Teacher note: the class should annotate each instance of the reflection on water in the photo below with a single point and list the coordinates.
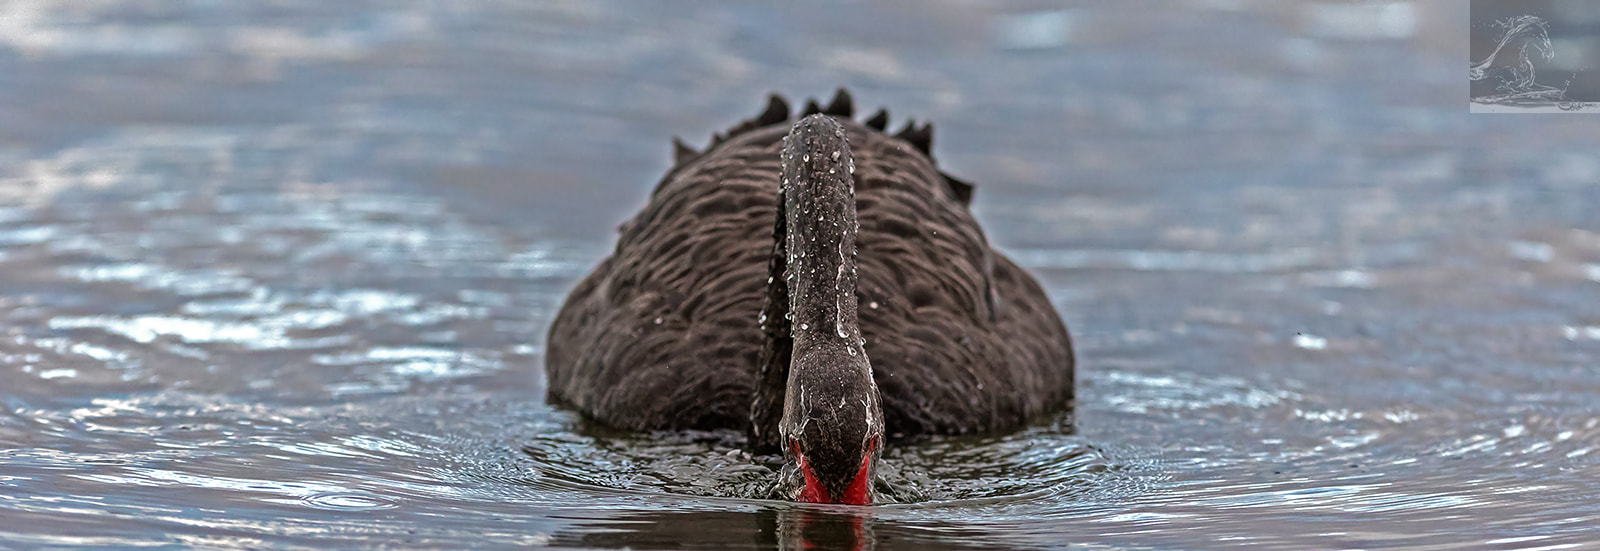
(280, 277)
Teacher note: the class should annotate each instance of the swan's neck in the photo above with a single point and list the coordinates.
(820, 211)
(832, 423)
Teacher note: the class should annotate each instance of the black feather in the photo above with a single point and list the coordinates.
(910, 124)
(879, 120)
(681, 151)
(959, 189)
(777, 111)
(919, 137)
(841, 106)
(811, 108)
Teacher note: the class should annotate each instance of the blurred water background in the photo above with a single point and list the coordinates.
(277, 274)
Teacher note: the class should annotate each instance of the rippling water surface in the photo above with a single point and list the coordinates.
(278, 276)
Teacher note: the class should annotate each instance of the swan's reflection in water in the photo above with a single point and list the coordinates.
(805, 528)
(782, 527)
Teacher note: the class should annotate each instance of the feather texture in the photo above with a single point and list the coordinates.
(666, 332)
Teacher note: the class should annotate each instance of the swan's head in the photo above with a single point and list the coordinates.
(832, 427)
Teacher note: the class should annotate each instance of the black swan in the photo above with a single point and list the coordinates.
(820, 285)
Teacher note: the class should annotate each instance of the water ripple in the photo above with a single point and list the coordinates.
(279, 277)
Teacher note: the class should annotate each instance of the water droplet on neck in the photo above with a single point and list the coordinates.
(836, 155)
(804, 327)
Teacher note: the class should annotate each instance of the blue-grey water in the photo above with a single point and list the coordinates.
(277, 274)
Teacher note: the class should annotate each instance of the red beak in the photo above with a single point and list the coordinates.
(855, 494)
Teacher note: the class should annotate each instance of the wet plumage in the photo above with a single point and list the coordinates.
(666, 332)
